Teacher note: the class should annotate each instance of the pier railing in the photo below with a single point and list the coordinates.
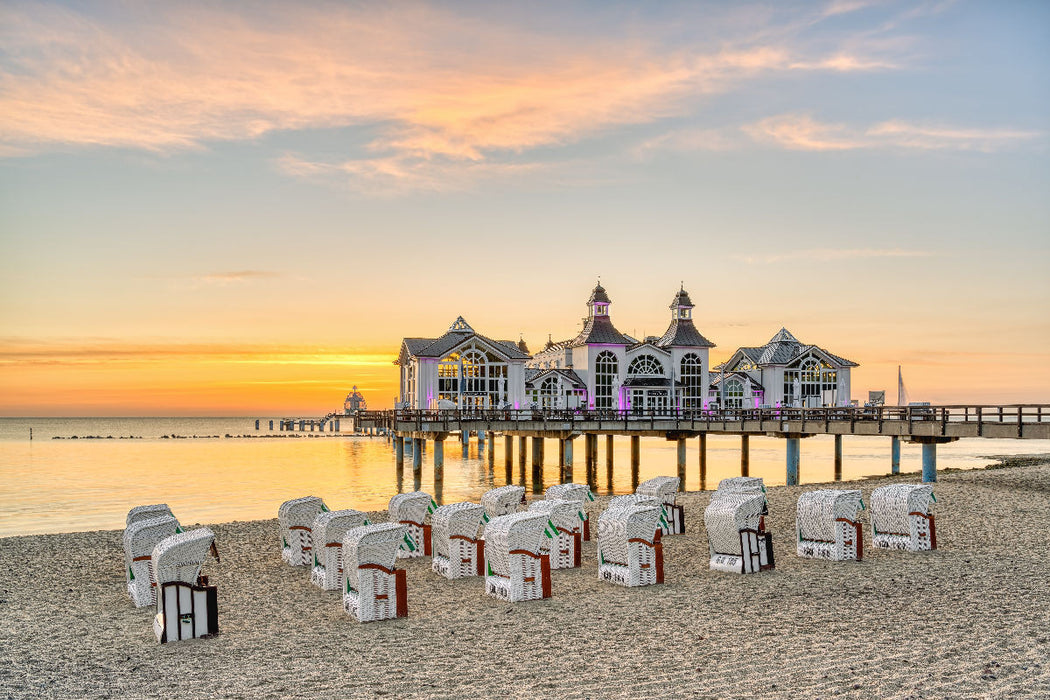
(972, 415)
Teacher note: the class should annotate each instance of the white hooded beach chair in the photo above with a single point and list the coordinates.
(665, 488)
(827, 524)
(328, 531)
(411, 509)
(503, 500)
(901, 518)
(296, 520)
(567, 518)
(186, 604)
(745, 484)
(457, 549)
(140, 537)
(372, 588)
(735, 542)
(574, 492)
(629, 548)
(515, 565)
(147, 512)
(641, 499)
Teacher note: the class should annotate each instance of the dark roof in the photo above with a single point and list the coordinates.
(567, 373)
(783, 347)
(683, 333)
(599, 329)
(457, 334)
(681, 299)
(716, 379)
(599, 295)
(650, 342)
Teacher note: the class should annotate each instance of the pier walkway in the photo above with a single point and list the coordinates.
(925, 425)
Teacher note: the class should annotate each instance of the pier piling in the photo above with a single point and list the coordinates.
(793, 449)
(745, 455)
(895, 455)
(703, 461)
(838, 458)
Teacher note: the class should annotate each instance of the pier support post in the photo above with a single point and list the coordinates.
(399, 452)
(895, 455)
(537, 464)
(523, 448)
(929, 462)
(589, 456)
(561, 455)
(492, 449)
(508, 457)
(256, 423)
(439, 456)
(636, 460)
(609, 461)
(745, 455)
(703, 461)
(838, 458)
(481, 439)
(417, 455)
(681, 464)
(566, 471)
(793, 449)
(592, 460)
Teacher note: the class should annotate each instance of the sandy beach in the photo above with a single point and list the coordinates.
(969, 620)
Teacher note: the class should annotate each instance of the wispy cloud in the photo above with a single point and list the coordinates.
(802, 132)
(832, 254)
(440, 92)
(235, 277)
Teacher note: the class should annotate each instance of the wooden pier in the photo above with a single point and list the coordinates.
(928, 426)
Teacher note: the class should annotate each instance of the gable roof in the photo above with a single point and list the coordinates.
(458, 333)
(782, 349)
(568, 374)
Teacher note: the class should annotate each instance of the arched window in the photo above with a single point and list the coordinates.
(734, 393)
(549, 393)
(645, 365)
(605, 369)
(811, 381)
(472, 377)
(692, 377)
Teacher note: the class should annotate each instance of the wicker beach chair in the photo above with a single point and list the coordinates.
(828, 526)
(411, 509)
(296, 520)
(140, 537)
(901, 518)
(665, 488)
(565, 548)
(629, 548)
(147, 512)
(745, 484)
(631, 500)
(186, 604)
(457, 549)
(735, 542)
(372, 588)
(503, 500)
(516, 568)
(574, 492)
(328, 531)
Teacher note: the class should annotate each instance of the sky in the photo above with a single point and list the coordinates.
(234, 208)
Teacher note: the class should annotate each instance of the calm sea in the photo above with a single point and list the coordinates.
(221, 469)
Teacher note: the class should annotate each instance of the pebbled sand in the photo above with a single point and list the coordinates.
(970, 620)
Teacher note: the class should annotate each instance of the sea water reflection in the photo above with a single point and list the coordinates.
(65, 485)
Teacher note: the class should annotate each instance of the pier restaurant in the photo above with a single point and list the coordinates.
(602, 368)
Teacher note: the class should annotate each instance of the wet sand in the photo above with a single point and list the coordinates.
(969, 620)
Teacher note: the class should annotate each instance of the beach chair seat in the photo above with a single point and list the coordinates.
(574, 492)
(901, 518)
(373, 589)
(734, 540)
(140, 538)
(187, 607)
(328, 530)
(827, 524)
(147, 513)
(296, 519)
(665, 488)
(565, 548)
(503, 500)
(457, 549)
(515, 565)
(629, 549)
(411, 510)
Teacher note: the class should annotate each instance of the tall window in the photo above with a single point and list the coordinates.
(692, 382)
(734, 393)
(815, 378)
(549, 393)
(472, 377)
(605, 369)
(645, 365)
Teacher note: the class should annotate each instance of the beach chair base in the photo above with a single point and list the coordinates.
(465, 558)
(757, 554)
(420, 535)
(848, 544)
(922, 538)
(297, 549)
(566, 550)
(383, 594)
(186, 611)
(645, 566)
(530, 579)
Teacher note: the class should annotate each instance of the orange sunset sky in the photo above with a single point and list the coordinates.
(210, 209)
